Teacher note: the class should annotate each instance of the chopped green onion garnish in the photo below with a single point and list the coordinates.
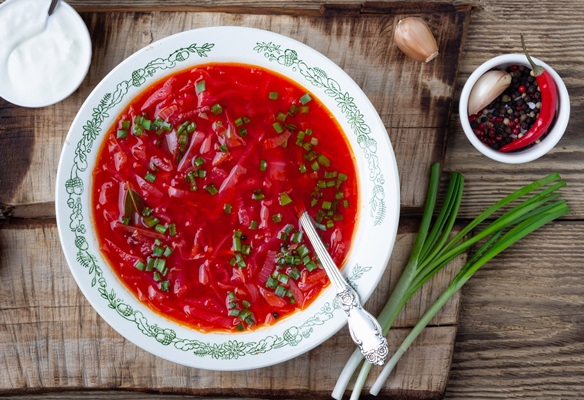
(157, 277)
(324, 161)
(310, 156)
(199, 161)
(211, 189)
(234, 313)
(161, 228)
(150, 177)
(165, 286)
(146, 124)
(258, 195)
(217, 109)
(263, 165)
(280, 291)
(242, 132)
(302, 168)
(326, 205)
(244, 314)
(183, 128)
(297, 237)
(271, 283)
(167, 251)
(238, 122)
(157, 251)
(236, 244)
(303, 250)
(200, 87)
(150, 264)
(283, 278)
(294, 273)
(246, 119)
(150, 221)
(315, 166)
(172, 229)
(160, 264)
(273, 96)
(126, 124)
(304, 110)
(281, 117)
(253, 225)
(342, 177)
(277, 217)
(137, 130)
(140, 265)
(305, 98)
(284, 199)
(227, 208)
(278, 127)
(246, 304)
(311, 266)
(126, 221)
(122, 133)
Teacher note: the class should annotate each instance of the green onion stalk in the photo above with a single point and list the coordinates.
(433, 249)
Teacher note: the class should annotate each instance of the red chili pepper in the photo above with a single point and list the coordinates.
(549, 99)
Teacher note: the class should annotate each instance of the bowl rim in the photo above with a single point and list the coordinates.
(83, 34)
(553, 136)
(325, 317)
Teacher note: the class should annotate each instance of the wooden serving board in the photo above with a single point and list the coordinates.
(51, 339)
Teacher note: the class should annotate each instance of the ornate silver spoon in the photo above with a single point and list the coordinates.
(364, 328)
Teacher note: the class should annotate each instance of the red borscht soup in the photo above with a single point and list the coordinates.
(196, 192)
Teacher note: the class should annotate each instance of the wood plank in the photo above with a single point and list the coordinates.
(520, 332)
(413, 99)
(52, 339)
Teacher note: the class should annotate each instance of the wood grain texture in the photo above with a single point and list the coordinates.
(52, 339)
(521, 327)
(413, 99)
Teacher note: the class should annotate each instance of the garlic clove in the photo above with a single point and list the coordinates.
(413, 36)
(486, 89)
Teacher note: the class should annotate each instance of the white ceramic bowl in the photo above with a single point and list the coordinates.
(378, 191)
(558, 126)
(42, 61)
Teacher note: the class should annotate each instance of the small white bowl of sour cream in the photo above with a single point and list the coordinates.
(43, 59)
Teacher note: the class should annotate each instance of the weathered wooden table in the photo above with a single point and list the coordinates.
(516, 330)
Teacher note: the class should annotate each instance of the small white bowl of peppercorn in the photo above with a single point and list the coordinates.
(525, 120)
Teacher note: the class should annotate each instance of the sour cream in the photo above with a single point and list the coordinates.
(42, 59)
